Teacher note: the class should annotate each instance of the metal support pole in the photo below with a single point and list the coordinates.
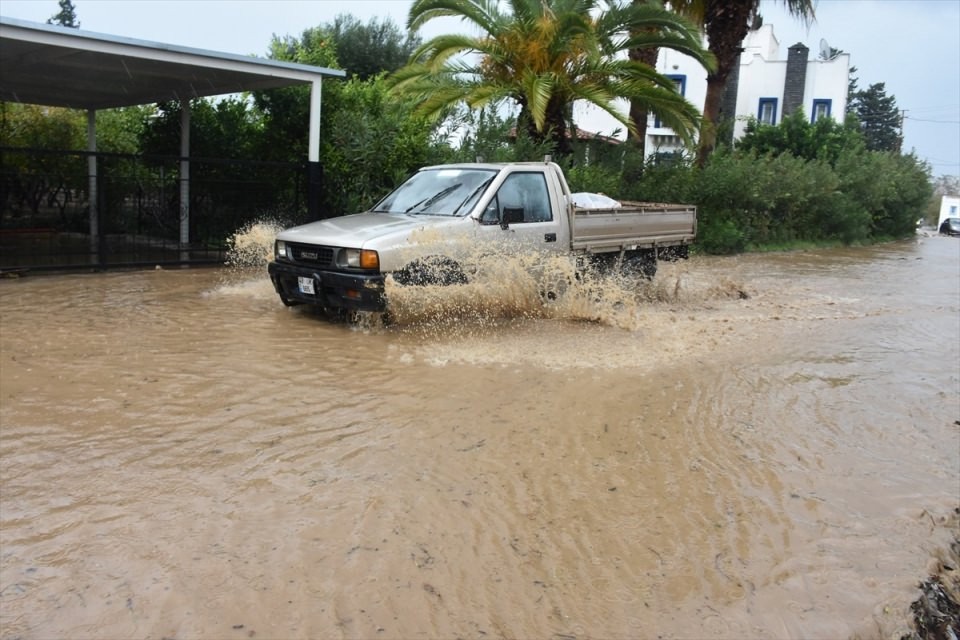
(92, 195)
(314, 170)
(184, 180)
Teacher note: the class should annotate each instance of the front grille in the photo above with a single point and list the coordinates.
(311, 255)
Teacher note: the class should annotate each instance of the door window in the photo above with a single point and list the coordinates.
(522, 198)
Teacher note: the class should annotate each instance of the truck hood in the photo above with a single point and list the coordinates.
(364, 230)
(398, 238)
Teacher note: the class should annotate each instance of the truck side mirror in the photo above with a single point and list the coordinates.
(511, 215)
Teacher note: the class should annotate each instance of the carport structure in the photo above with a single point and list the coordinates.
(64, 67)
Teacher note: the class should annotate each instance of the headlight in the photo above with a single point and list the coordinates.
(359, 259)
(281, 250)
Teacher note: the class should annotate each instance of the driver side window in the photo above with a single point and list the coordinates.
(523, 197)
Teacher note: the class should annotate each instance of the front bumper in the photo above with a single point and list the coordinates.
(332, 289)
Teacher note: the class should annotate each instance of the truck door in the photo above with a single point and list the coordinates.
(522, 212)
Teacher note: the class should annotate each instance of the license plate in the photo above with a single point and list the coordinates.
(306, 285)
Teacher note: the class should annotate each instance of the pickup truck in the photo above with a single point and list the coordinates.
(430, 228)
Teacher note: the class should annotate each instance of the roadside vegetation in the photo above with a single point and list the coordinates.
(507, 95)
(791, 185)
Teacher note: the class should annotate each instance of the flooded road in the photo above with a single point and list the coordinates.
(757, 447)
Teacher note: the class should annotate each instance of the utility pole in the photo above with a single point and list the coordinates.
(903, 116)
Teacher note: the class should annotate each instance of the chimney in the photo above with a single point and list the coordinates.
(796, 78)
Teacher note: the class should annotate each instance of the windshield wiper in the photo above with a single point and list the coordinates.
(481, 187)
(426, 202)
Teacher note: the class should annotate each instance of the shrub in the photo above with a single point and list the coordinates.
(594, 178)
(721, 237)
(892, 189)
(662, 179)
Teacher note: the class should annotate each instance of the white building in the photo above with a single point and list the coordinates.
(764, 85)
(949, 208)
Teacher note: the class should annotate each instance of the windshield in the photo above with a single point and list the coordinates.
(438, 192)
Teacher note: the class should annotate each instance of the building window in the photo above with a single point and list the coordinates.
(821, 109)
(767, 112)
(680, 84)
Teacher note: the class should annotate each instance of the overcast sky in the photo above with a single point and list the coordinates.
(912, 46)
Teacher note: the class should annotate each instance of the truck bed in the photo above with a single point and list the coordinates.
(634, 225)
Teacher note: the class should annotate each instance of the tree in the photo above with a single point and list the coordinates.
(67, 16)
(286, 110)
(852, 90)
(370, 144)
(648, 56)
(824, 139)
(544, 55)
(364, 50)
(638, 110)
(225, 128)
(120, 130)
(369, 140)
(38, 179)
(879, 117)
(726, 23)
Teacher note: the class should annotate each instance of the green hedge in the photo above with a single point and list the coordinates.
(748, 200)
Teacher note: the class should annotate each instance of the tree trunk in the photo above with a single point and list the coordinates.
(711, 114)
(554, 127)
(727, 23)
(638, 112)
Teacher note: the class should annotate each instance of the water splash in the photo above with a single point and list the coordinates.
(250, 249)
(252, 245)
(511, 286)
(505, 285)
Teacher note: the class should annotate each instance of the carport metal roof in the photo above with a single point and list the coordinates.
(64, 67)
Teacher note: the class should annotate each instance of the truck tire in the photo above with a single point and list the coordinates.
(553, 288)
(672, 254)
(431, 270)
(643, 265)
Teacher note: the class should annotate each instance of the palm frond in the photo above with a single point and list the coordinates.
(803, 9)
(482, 13)
(546, 54)
(675, 111)
(537, 89)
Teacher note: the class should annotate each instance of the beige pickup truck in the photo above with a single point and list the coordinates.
(428, 230)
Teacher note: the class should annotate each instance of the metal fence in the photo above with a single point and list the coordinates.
(45, 220)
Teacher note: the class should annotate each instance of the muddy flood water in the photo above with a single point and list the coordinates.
(763, 446)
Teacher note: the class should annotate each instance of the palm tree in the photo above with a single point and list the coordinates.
(692, 10)
(546, 54)
(726, 23)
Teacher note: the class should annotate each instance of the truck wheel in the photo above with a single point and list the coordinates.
(432, 270)
(672, 254)
(552, 289)
(642, 265)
